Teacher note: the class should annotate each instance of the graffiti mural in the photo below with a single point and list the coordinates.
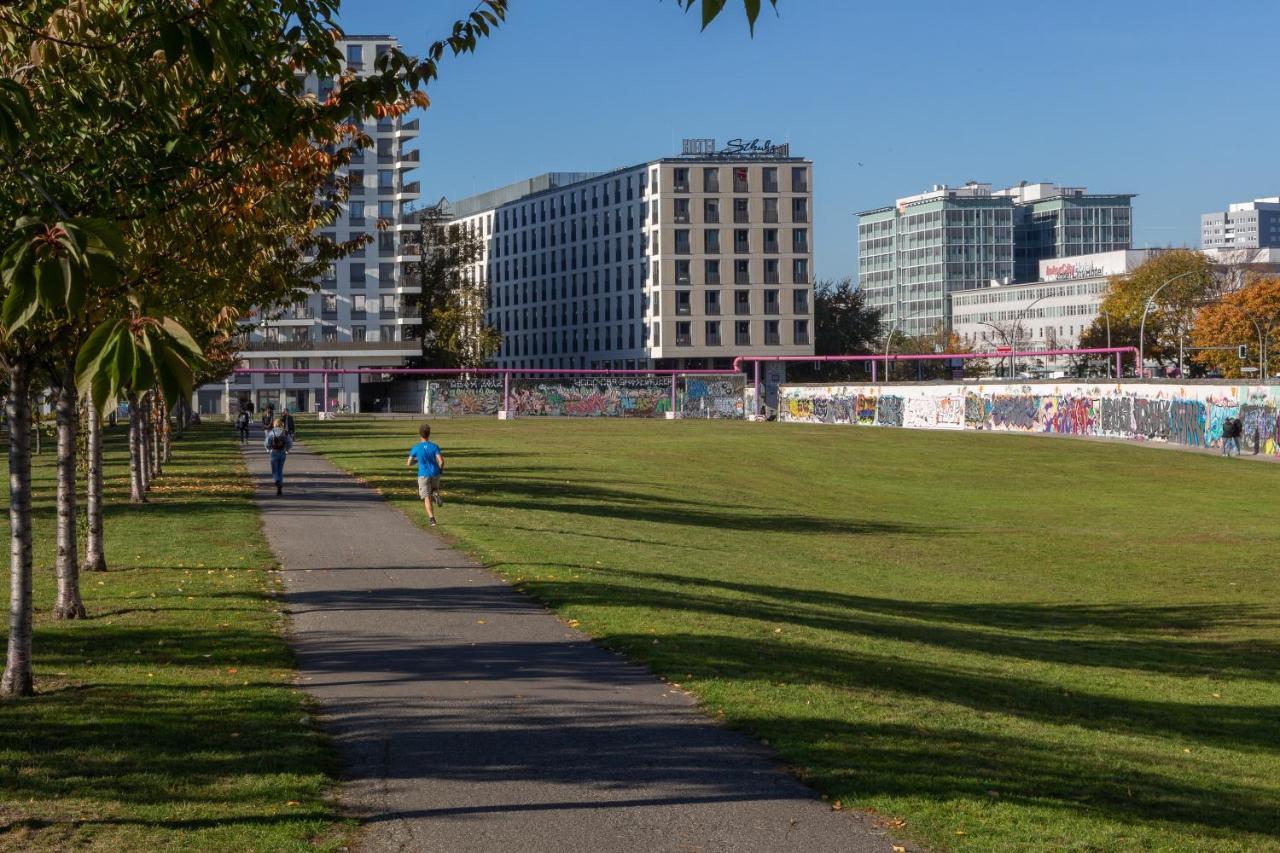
(456, 397)
(713, 398)
(889, 410)
(1191, 415)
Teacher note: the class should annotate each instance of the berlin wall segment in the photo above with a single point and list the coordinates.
(1190, 414)
(611, 396)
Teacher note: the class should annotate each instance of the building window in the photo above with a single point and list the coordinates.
(386, 275)
(800, 239)
(740, 214)
(742, 241)
(770, 210)
(799, 210)
(712, 272)
(800, 301)
(682, 241)
(769, 179)
(713, 333)
(358, 334)
(742, 333)
(682, 210)
(329, 306)
(301, 364)
(770, 270)
(710, 179)
(741, 272)
(799, 180)
(680, 179)
(801, 332)
(386, 180)
(682, 272)
(356, 275)
(800, 271)
(740, 179)
(711, 210)
(684, 302)
(711, 241)
(712, 302)
(684, 338)
(657, 334)
(771, 241)
(355, 56)
(357, 306)
(742, 302)
(771, 305)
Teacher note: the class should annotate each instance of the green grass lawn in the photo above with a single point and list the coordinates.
(995, 642)
(169, 719)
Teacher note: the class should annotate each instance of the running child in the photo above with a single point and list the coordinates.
(430, 465)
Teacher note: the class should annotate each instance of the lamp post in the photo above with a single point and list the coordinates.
(1142, 326)
(1105, 313)
(888, 342)
(1005, 338)
(1013, 364)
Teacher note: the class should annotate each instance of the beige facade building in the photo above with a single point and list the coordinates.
(683, 262)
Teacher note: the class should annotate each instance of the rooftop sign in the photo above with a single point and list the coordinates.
(735, 148)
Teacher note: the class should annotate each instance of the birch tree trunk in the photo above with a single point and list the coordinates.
(137, 483)
(95, 556)
(144, 423)
(17, 680)
(68, 605)
(167, 456)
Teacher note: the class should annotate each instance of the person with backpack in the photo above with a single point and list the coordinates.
(242, 426)
(1232, 429)
(278, 444)
(289, 425)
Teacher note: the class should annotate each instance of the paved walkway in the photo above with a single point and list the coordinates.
(470, 719)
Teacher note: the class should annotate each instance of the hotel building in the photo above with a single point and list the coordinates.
(682, 262)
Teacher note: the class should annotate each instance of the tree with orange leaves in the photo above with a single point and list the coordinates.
(1248, 317)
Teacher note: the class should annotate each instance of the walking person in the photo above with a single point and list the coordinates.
(430, 466)
(289, 425)
(242, 426)
(278, 443)
(1231, 430)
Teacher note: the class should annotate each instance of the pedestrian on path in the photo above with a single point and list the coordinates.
(289, 425)
(430, 465)
(278, 443)
(242, 426)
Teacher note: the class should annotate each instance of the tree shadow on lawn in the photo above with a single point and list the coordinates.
(616, 743)
(1132, 637)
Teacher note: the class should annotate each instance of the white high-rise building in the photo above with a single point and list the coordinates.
(356, 319)
(682, 262)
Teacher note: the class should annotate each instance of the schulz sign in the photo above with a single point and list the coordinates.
(735, 148)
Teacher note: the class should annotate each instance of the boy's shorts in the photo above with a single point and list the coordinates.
(427, 486)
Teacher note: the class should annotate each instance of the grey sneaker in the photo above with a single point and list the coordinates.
(432, 522)
(439, 501)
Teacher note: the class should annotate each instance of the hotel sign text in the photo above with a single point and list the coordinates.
(736, 148)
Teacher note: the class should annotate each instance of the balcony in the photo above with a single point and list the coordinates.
(413, 156)
(411, 189)
(386, 159)
(409, 126)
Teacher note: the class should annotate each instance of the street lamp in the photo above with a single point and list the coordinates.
(888, 342)
(1142, 326)
(1005, 338)
(1013, 363)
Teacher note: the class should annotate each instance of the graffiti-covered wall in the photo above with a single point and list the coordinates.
(605, 396)
(1190, 414)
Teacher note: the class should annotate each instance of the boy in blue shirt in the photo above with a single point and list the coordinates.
(430, 465)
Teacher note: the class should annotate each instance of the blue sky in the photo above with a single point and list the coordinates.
(1173, 100)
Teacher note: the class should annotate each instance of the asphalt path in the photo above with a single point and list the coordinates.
(469, 718)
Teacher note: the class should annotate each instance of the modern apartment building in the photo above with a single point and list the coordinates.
(681, 262)
(356, 318)
(1244, 225)
(914, 255)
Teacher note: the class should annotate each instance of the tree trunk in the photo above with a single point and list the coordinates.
(68, 605)
(144, 432)
(17, 680)
(180, 417)
(167, 456)
(95, 556)
(137, 483)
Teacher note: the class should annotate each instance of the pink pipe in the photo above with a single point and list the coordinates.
(740, 360)
(513, 371)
